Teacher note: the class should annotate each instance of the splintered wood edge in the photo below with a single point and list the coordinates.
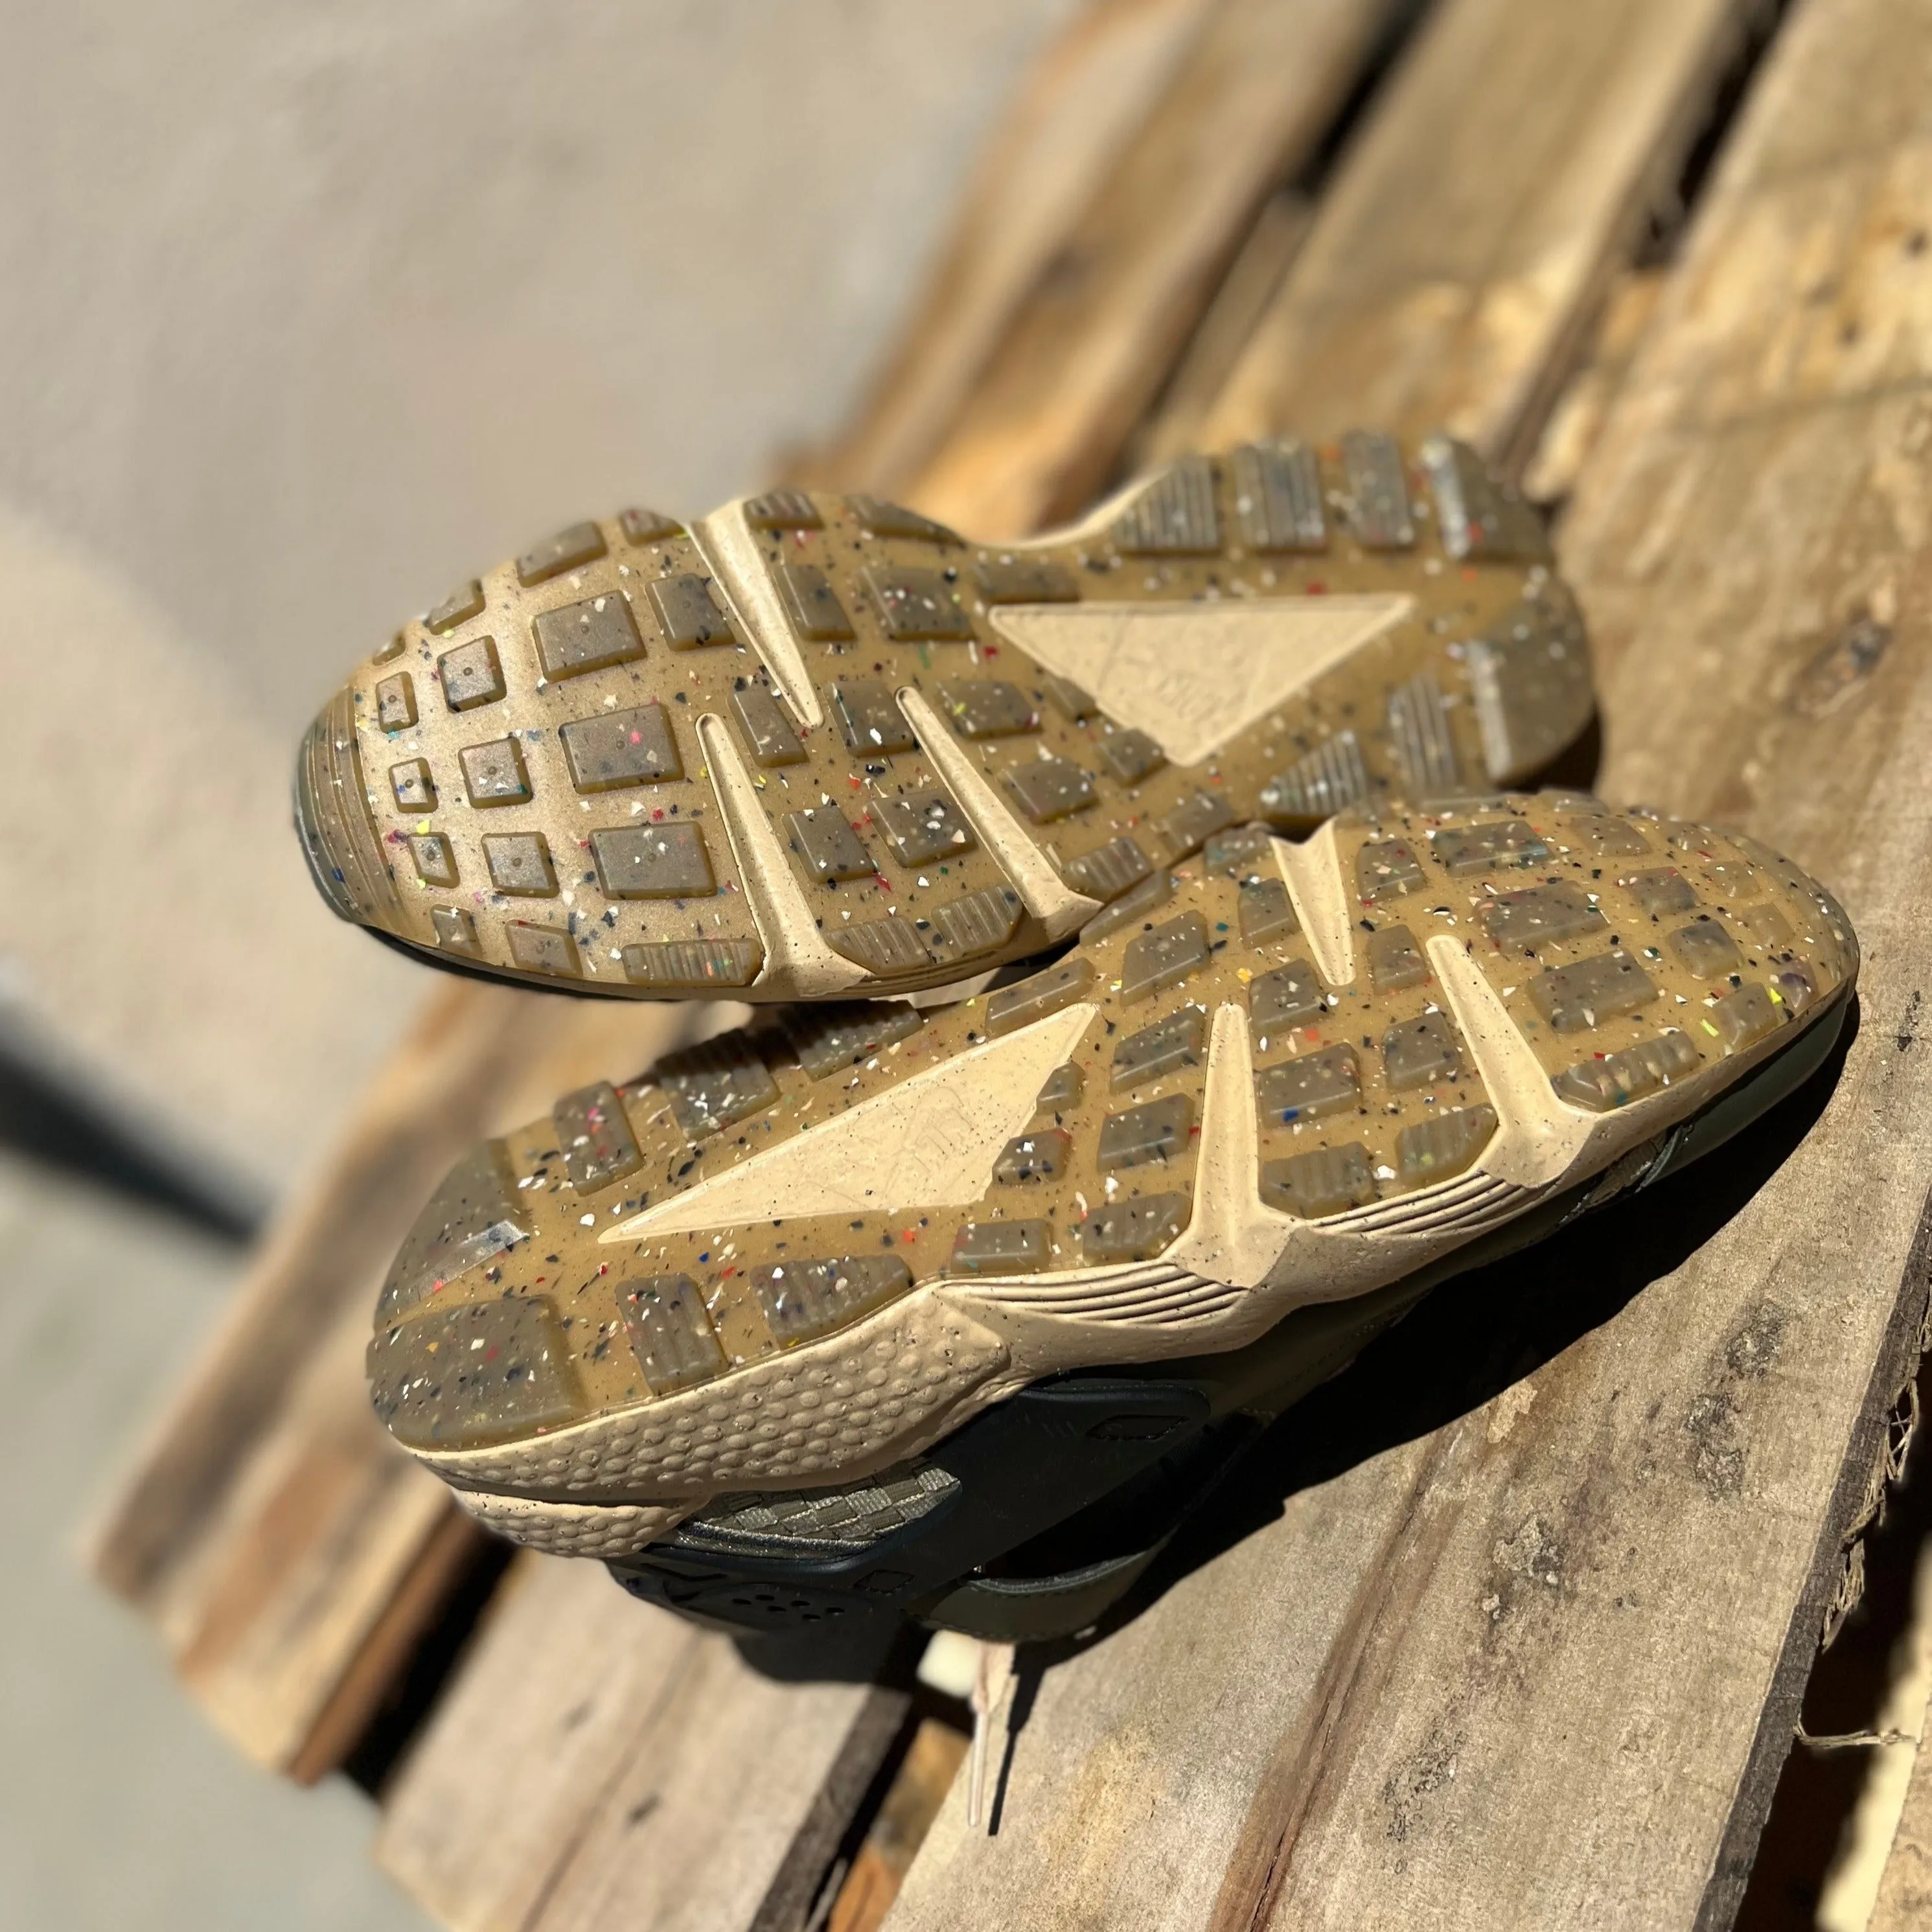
(1849, 1510)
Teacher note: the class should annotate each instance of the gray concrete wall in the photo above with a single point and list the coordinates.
(308, 311)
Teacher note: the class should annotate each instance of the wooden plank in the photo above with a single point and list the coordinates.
(1097, 336)
(1540, 1665)
(270, 1528)
(1083, 103)
(1469, 236)
(1904, 1902)
(602, 1762)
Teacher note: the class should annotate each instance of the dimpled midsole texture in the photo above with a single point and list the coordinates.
(815, 744)
(805, 1251)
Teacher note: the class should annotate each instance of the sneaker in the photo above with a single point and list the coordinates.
(814, 746)
(837, 1312)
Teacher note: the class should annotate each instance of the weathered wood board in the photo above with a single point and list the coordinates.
(1540, 1665)
(270, 1529)
(602, 1763)
(1470, 232)
(1082, 358)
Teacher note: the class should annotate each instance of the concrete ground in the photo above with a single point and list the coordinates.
(305, 313)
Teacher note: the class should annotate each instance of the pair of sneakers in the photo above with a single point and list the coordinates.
(1173, 979)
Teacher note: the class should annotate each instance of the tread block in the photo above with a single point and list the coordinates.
(1003, 1247)
(670, 1332)
(1424, 1051)
(1306, 1087)
(1130, 755)
(1444, 1145)
(1277, 497)
(828, 1040)
(1189, 826)
(811, 603)
(988, 708)
(1289, 996)
(435, 859)
(1325, 1180)
(767, 725)
(1176, 514)
(652, 861)
(645, 527)
(544, 949)
(1158, 1131)
(464, 603)
(1376, 487)
(1478, 515)
(396, 703)
(1024, 580)
(1386, 869)
(1742, 1019)
(920, 826)
(594, 1132)
(1705, 950)
(715, 1086)
(471, 675)
(570, 549)
(1164, 957)
(1043, 1154)
(1330, 777)
(1132, 1231)
(494, 773)
(1265, 911)
(1132, 907)
(1108, 871)
(1395, 960)
(828, 846)
(617, 748)
(1609, 1080)
(1664, 890)
(978, 922)
(691, 965)
(803, 1299)
(869, 717)
(479, 1373)
(1572, 998)
(472, 1216)
(1013, 1007)
(879, 518)
(1049, 788)
(1604, 837)
(1166, 1047)
(915, 605)
(519, 863)
(689, 612)
(413, 786)
(783, 510)
(1462, 850)
(455, 931)
(883, 946)
(1539, 914)
(590, 636)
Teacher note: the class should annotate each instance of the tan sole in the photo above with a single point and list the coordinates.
(814, 746)
(800, 1255)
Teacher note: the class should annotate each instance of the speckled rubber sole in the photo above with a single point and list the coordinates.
(816, 746)
(796, 1257)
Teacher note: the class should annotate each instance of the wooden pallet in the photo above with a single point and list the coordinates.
(1510, 1627)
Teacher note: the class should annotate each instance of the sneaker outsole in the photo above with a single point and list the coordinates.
(801, 1255)
(816, 746)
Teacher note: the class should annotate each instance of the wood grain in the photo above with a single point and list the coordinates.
(1096, 338)
(1540, 1665)
(1459, 253)
(1905, 1890)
